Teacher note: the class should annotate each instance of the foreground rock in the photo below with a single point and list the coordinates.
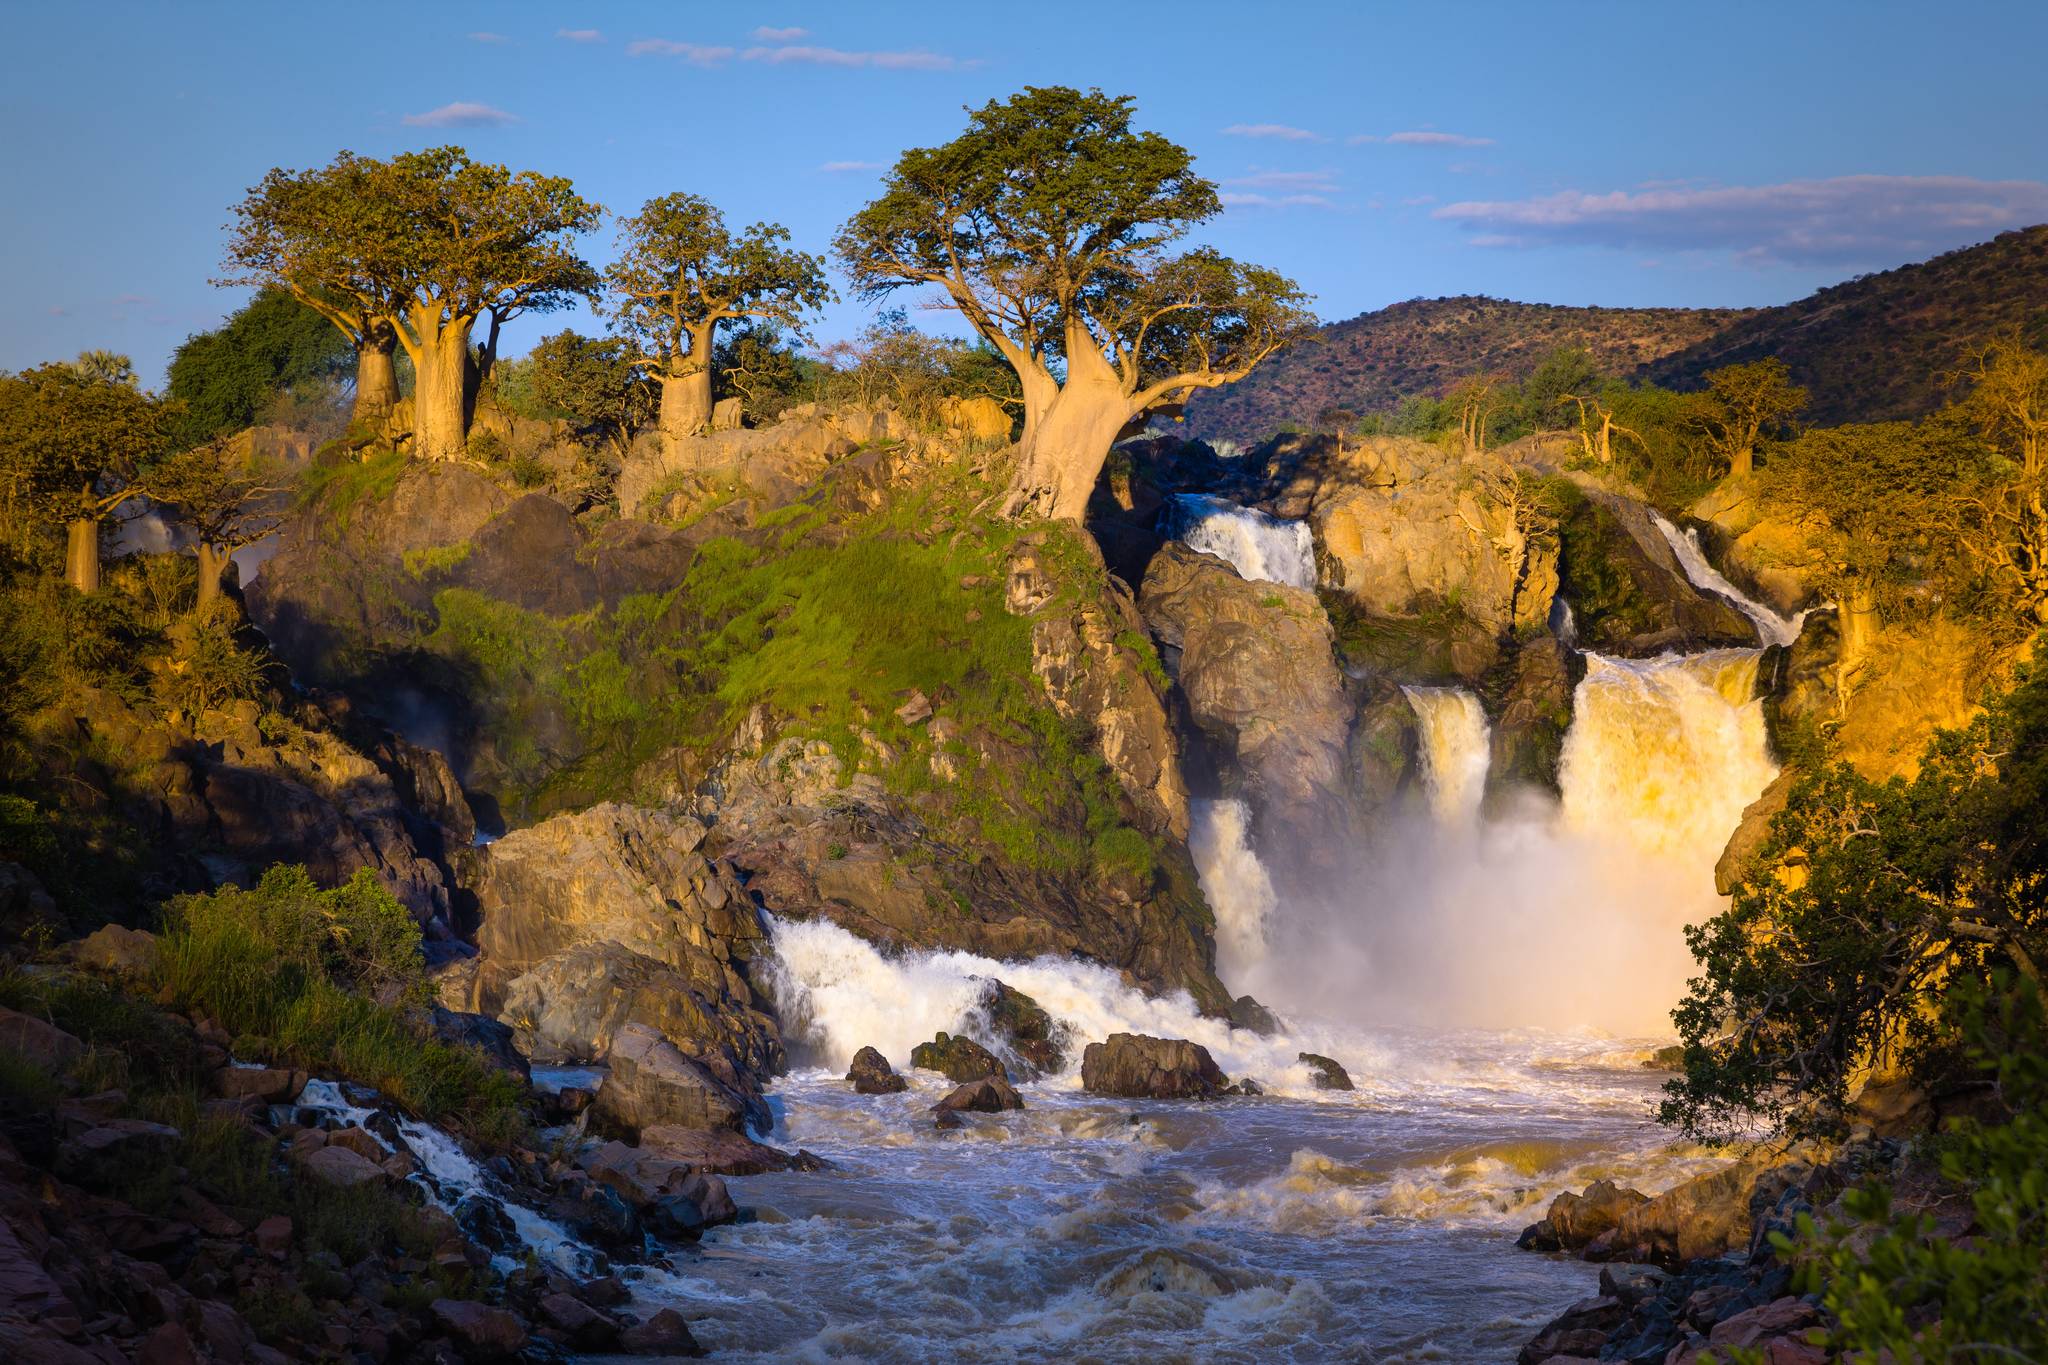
(652, 1083)
(871, 1074)
(957, 1059)
(1327, 1074)
(1134, 1066)
(989, 1095)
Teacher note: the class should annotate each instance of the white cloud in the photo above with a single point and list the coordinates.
(1281, 131)
(765, 34)
(1312, 182)
(1849, 220)
(461, 114)
(839, 167)
(1420, 137)
(483, 37)
(696, 54)
(832, 56)
(1232, 199)
(580, 35)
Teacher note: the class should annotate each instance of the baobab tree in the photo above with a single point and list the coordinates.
(680, 273)
(1598, 442)
(224, 499)
(421, 246)
(1745, 404)
(2004, 519)
(1049, 226)
(71, 448)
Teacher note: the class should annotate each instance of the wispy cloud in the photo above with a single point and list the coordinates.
(483, 37)
(1283, 132)
(841, 167)
(832, 56)
(765, 34)
(1305, 182)
(1420, 137)
(1851, 220)
(1233, 199)
(580, 35)
(461, 114)
(696, 54)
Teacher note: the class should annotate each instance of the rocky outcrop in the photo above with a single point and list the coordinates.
(611, 919)
(1089, 658)
(775, 461)
(1766, 554)
(871, 1074)
(651, 1082)
(1534, 710)
(1575, 1220)
(1628, 593)
(1801, 682)
(1325, 1073)
(1134, 1066)
(1739, 860)
(1256, 665)
(1021, 1025)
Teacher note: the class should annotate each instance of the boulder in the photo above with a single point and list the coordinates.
(1579, 1332)
(268, 1085)
(1532, 714)
(1704, 1216)
(1166, 1270)
(127, 954)
(481, 1034)
(720, 1151)
(653, 1082)
(1328, 1074)
(586, 1327)
(484, 1332)
(1135, 1066)
(340, 1167)
(958, 1059)
(1032, 1035)
(44, 1045)
(980, 418)
(989, 1095)
(1575, 1220)
(115, 1148)
(664, 1334)
(871, 1074)
(1257, 666)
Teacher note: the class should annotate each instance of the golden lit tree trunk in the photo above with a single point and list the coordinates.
(82, 554)
(440, 400)
(376, 376)
(1063, 455)
(213, 567)
(686, 400)
(1741, 462)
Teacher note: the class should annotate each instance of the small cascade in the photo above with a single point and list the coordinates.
(1455, 751)
(1666, 753)
(1771, 628)
(450, 1178)
(1233, 880)
(1256, 545)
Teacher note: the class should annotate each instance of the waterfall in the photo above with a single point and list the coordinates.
(1771, 628)
(1233, 880)
(1256, 545)
(1455, 750)
(1665, 753)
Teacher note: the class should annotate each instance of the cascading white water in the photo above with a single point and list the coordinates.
(1771, 628)
(1666, 753)
(1257, 546)
(1234, 882)
(1455, 750)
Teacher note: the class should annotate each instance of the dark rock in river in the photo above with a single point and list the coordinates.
(1575, 1220)
(989, 1095)
(1328, 1074)
(957, 1059)
(871, 1074)
(1036, 1039)
(1134, 1066)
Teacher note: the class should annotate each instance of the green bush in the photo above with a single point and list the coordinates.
(330, 980)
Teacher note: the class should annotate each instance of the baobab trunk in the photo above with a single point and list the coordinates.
(440, 402)
(686, 402)
(213, 566)
(1063, 456)
(82, 554)
(1741, 462)
(1860, 621)
(376, 378)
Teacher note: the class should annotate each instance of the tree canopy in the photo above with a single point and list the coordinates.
(594, 382)
(424, 244)
(680, 273)
(1745, 405)
(226, 377)
(1049, 225)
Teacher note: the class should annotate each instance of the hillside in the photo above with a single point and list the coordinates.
(1875, 348)
(1376, 359)
(1871, 349)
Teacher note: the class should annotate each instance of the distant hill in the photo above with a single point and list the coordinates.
(1372, 362)
(1872, 349)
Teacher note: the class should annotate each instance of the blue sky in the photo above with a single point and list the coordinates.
(1648, 153)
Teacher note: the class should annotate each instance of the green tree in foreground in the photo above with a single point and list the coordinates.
(596, 383)
(424, 244)
(680, 273)
(1049, 226)
(71, 448)
(1872, 903)
(226, 377)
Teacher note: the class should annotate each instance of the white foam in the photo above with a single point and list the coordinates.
(1456, 751)
(1234, 882)
(1771, 628)
(1256, 545)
